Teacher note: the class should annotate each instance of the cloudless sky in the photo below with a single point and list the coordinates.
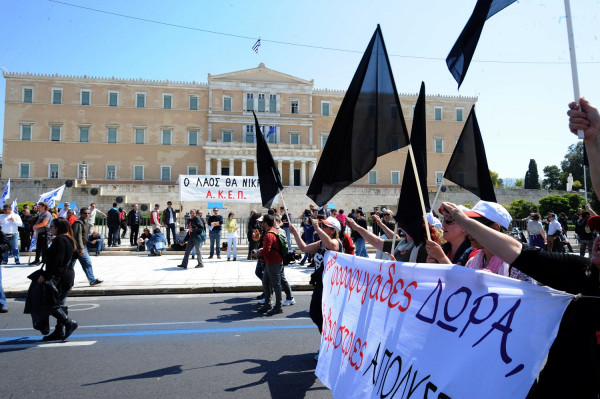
(521, 70)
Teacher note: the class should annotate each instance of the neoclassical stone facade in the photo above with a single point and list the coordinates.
(126, 131)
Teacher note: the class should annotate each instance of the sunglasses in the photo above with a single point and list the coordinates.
(448, 222)
(321, 225)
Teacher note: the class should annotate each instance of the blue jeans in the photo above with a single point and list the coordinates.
(2, 296)
(215, 240)
(96, 247)
(14, 248)
(361, 249)
(86, 265)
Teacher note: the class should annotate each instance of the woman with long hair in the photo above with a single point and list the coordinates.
(58, 269)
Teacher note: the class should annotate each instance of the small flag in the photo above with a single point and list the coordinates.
(33, 243)
(269, 178)
(271, 131)
(468, 165)
(5, 194)
(52, 197)
(15, 207)
(256, 46)
(460, 56)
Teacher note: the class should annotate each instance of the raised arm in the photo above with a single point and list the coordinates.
(369, 237)
(311, 248)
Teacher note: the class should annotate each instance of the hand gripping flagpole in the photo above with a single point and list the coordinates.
(573, 57)
(414, 165)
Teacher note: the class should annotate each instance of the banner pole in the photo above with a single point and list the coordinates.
(573, 57)
(414, 165)
(437, 193)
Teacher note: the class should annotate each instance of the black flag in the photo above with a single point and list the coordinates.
(369, 124)
(268, 174)
(460, 56)
(468, 165)
(410, 212)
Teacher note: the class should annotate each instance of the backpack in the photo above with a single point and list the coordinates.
(283, 249)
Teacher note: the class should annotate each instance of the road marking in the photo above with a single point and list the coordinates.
(83, 306)
(42, 345)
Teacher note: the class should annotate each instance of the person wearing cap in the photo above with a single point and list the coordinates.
(554, 232)
(10, 222)
(215, 221)
(572, 368)
(328, 231)
(457, 244)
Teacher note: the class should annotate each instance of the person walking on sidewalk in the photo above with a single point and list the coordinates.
(81, 232)
(273, 267)
(215, 221)
(196, 237)
(231, 228)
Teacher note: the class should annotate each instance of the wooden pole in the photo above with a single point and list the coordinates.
(414, 165)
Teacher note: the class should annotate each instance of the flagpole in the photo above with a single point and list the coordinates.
(573, 57)
(438, 193)
(414, 165)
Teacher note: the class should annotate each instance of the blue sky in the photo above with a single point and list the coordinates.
(521, 71)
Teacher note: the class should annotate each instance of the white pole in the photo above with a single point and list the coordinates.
(573, 57)
(414, 165)
(436, 194)
(585, 184)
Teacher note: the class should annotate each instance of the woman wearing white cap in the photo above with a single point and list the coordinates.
(328, 231)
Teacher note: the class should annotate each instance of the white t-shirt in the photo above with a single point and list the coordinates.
(554, 227)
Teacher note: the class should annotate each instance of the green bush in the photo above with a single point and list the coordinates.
(567, 203)
(521, 208)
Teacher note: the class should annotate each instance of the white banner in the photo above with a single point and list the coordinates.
(219, 188)
(399, 330)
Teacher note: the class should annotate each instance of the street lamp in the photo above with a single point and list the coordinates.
(83, 173)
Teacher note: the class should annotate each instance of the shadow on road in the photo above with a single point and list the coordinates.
(172, 370)
(290, 377)
(245, 309)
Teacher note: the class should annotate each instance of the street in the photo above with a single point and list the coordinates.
(178, 346)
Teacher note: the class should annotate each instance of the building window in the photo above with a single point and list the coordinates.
(111, 172)
(439, 178)
(55, 133)
(325, 108)
(140, 136)
(226, 103)
(27, 95)
(294, 107)
(193, 103)
(140, 100)
(395, 177)
(227, 137)
(86, 97)
(192, 170)
(249, 102)
(273, 103)
(166, 137)
(167, 100)
(138, 172)
(113, 98)
(56, 96)
(249, 137)
(372, 177)
(437, 113)
(165, 173)
(26, 132)
(439, 145)
(53, 171)
(324, 140)
(294, 138)
(112, 135)
(24, 170)
(261, 103)
(84, 134)
(192, 137)
(459, 114)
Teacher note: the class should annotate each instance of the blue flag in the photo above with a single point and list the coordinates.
(5, 194)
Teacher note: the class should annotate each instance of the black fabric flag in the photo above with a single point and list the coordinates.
(461, 54)
(468, 165)
(268, 174)
(369, 124)
(410, 212)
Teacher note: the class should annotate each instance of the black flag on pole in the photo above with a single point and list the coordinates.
(369, 124)
(268, 174)
(410, 212)
(468, 165)
(460, 56)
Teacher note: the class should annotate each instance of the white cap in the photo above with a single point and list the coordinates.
(492, 211)
(333, 222)
(433, 221)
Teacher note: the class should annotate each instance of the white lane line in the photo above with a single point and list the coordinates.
(49, 345)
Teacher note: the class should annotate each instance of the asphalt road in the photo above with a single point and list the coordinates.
(176, 346)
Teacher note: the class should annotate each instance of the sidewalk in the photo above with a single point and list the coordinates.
(137, 273)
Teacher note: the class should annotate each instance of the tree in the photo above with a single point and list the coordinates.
(494, 177)
(553, 178)
(532, 178)
(573, 163)
(519, 183)
(500, 183)
(577, 185)
(567, 203)
(521, 208)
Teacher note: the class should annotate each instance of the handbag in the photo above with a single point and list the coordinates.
(255, 235)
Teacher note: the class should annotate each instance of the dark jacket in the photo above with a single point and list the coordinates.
(362, 222)
(165, 215)
(134, 218)
(113, 218)
(252, 224)
(4, 243)
(198, 227)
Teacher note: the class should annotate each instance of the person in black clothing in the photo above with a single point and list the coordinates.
(195, 239)
(58, 267)
(215, 221)
(169, 217)
(134, 217)
(252, 225)
(562, 219)
(26, 230)
(42, 228)
(572, 369)
(113, 221)
(586, 236)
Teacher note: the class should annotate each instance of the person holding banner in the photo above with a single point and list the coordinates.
(572, 369)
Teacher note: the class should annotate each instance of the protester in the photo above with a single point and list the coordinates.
(143, 238)
(113, 221)
(25, 230)
(4, 246)
(95, 243)
(553, 234)
(169, 217)
(134, 218)
(10, 222)
(180, 241)
(123, 222)
(195, 238)
(285, 224)
(536, 232)
(81, 232)
(215, 221)
(157, 243)
(586, 236)
(359, 240)
(273, 265)
(71, 217)
(456, 246)
(250, 232)
(41, 230)
(231, 228)
(93, 213)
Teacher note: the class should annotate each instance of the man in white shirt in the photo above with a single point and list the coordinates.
(554, 231)
(10, 222)
(63, 212)
(93, 211)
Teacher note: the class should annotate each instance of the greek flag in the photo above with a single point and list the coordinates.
(5, 194)
(256, 46)
(52, 197)
(271, 131)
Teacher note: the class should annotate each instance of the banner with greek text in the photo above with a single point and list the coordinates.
(399, 330)
(219, 188)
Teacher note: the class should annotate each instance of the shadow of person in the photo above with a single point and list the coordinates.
(172, 370)
(290, 377)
